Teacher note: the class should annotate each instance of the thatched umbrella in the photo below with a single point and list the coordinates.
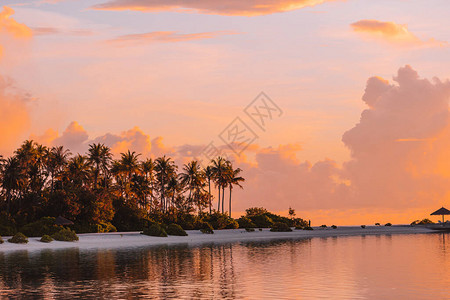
(63, 221)
(441, 212)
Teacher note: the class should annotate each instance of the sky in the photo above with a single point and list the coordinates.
(355, 129)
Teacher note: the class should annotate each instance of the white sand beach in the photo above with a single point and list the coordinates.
(135, 239)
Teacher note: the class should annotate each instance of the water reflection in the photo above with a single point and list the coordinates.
(357, 267)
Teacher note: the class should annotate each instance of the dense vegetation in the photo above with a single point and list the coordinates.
(258, 217)
(100, 194)
(422, 222)
(280, 227)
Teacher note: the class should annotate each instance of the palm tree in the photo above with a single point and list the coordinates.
(13, 179)
(208, 172)
(78, 170)
(165, 168)
(129, 163)
(190, 176)
(219, 170)
(100, 158)
(128, 166)
(148, 169)
(56, 161)
(173, 187)
(234, 179)
(140, 188)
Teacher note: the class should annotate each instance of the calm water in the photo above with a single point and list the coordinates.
(370, 267)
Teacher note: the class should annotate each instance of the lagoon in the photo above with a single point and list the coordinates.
(385, 266)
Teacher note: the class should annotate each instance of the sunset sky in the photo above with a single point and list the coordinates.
(364, 133)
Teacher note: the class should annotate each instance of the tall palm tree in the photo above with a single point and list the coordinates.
(173, 187)
(100, 158)
(13, 179)
(128, 166)
(165, 168)
(56, 161)
(234, 180)
(208, 172)
(191, 176)
(78, 170)
(219, 171)
(148, 169)
(129, 163)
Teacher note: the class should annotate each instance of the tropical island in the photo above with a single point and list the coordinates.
(97, 194)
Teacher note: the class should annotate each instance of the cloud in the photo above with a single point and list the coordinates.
(391, 32)
(14, 114)
(77, 139)
(167, 37)
(223, 7)
(53, 31)
(400, 146)
(11, 27)
(14, 103)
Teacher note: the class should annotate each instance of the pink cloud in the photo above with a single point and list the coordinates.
(167, 37)
(224, 7)
(392, 32)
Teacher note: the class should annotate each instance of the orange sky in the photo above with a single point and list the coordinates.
(360, 127)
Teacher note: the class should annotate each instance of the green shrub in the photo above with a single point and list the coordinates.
(260, 229)
(377, 224)
(363, 226)
(18, 238)
(46, 239)
(175, 229)
(299, 227)
(44, 226)
(388, 224)
(155, 230)
(250, 229)
(1, 240)
(65, 235)
(245, 222)
(323, 226)
(262, 221)
(207, 228)
(308, 228)
(333, 226)
(422, 222)
(280, 227)
(185, 220)
(255, 211)
(221, 221)
(232, 224)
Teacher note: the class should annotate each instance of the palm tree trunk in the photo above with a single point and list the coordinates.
(218, 200)
(209, 195)
(223, 198)
(230, 200)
